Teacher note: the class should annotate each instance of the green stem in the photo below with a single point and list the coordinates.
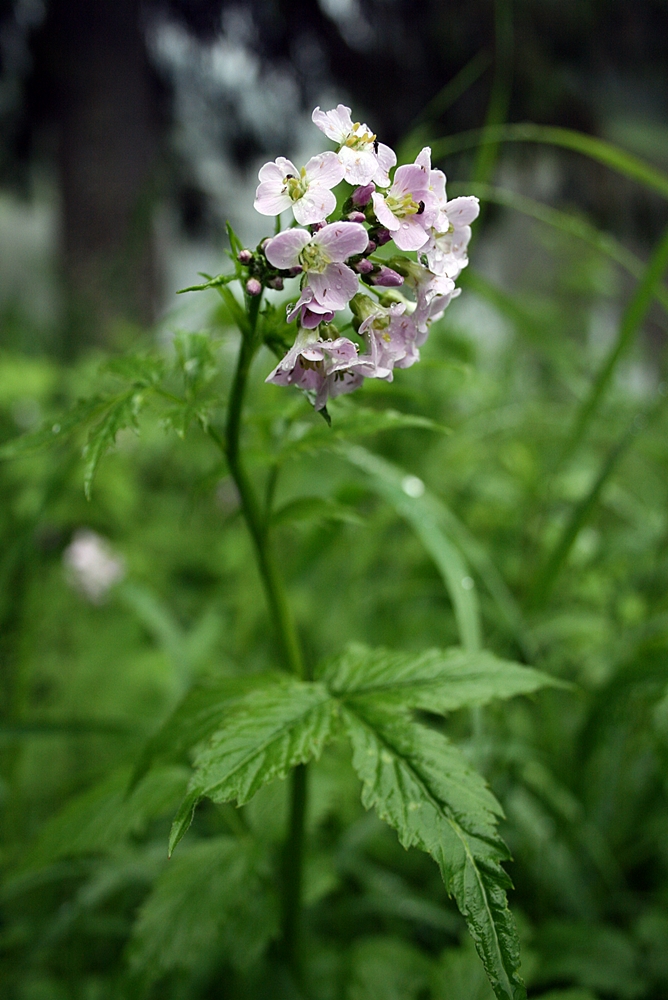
(293, 868)
(284, 625)
(257, 519)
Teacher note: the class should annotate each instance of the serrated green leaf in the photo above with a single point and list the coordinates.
(436, 681)
(211, 899)
(121, 412)
(423, 787)
(100, 819)
(197, 717)
(265, 735)
(136, 369)
(349, 421)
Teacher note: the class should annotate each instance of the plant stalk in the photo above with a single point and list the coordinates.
(256, 519)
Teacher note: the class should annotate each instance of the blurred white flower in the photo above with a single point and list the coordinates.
(91, 565)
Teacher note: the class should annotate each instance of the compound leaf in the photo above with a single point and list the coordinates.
(423, 787)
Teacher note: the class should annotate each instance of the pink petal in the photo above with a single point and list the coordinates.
(411, 178)
(462, 211)
(437, 185)
(325, 169)
(359, 165)
(269, 200)
(410, 235)
(386, 159)
(284, 250)
(341, 240)
(383, 214)
(314, 206)
(335, 287)
(423, 159)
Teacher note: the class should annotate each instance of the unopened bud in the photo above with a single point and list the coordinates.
(386, 277)
(276, 283)
(370, 247)
(356, 217)
(363, 266)
(294, 271)
(253, 287)
(382, 236)
(317, 226)
(244, 257)
(361, 196)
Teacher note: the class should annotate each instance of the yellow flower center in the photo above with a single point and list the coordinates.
(313, 258)
(360, 137)
(402, 205)
(296, 187)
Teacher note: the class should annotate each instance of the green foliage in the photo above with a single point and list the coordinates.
(418, 541)
(417, 781)
(213, 901)
(423, 787)
(437, 681)
(101, 818)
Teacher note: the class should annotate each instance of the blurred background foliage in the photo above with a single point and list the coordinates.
(130, 132)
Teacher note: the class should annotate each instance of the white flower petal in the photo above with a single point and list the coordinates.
(269, 200)
(326, 169)
(359, 165)
(462, 211)
(336, 124)
(386, 158)
(314, 206)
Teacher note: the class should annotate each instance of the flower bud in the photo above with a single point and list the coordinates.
(361, 196)
(363, 266)
(244, 257)
(253, 287)
(387, 277)
(276, 283)
(382, 236)
(356, 217)
(317, 226)
(362, 307)
(294, 271)
(370, 247)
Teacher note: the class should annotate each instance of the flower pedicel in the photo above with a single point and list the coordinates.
(333, 256)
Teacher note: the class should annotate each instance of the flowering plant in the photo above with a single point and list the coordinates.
(344, 282)
(376, 264)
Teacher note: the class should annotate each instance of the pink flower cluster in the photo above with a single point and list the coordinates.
(409, 208)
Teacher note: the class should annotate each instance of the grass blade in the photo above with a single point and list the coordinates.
(606, 153)
(408, 497)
